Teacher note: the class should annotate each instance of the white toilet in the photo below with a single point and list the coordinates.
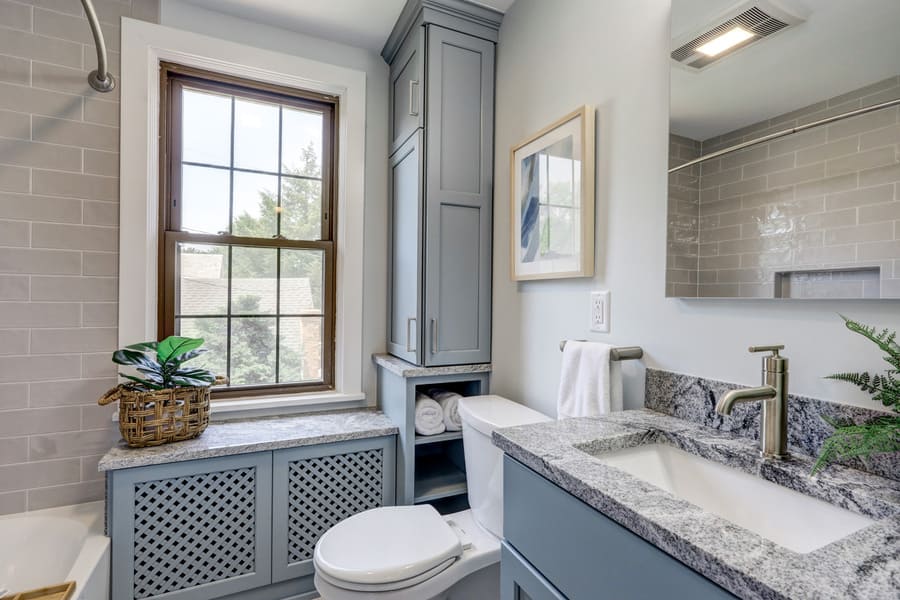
(414, 553)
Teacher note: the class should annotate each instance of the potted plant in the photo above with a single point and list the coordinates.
(881, 434)
(170, 403)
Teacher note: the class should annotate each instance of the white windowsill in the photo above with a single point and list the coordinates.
(279, 406)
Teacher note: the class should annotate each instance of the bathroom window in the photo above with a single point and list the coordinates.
(247, 242)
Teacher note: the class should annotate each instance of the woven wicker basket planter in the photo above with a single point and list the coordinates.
(160, 416)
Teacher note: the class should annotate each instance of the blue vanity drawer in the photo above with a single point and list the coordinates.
(584, 554)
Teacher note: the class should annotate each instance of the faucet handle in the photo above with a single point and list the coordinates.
(773, 349)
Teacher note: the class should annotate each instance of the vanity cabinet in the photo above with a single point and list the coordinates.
(441, 182)
(240, 527)
(573, 551)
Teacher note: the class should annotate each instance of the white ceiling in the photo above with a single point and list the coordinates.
(361, 23)
(843, 45)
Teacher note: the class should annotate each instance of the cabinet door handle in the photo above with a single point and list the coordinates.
(409, 322)
(413, 98)
(434, 334)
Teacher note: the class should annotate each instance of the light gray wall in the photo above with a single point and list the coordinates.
(176, 13)
(59, 194)
(552, 57)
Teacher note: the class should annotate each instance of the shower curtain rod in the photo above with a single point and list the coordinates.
(785, 132)
(100, 79)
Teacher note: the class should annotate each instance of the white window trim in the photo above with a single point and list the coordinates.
(144, 45)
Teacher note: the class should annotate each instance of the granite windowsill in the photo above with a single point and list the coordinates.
(255, 435)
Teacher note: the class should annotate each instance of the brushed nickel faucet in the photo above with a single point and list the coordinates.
(774, 397)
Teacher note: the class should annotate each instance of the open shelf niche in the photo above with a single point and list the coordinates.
(430, 469)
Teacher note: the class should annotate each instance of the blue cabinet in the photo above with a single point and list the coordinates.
(239, 527)
(441, 54)
(575, 551)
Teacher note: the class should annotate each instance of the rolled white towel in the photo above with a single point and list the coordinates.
(429, 416)
(449, 402)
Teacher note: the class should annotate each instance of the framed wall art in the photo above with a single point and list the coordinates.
(552, 200)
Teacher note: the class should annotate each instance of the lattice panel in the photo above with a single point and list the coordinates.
(193, 530)
(326, 490)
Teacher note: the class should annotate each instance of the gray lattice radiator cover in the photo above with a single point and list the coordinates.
(326, 490)
(193, 530)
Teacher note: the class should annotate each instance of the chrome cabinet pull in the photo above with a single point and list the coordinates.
(434, 334)
(409, 322)
(413, 104)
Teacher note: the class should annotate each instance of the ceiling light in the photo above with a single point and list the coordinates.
(727, 40)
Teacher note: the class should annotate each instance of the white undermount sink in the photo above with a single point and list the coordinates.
(788, 518)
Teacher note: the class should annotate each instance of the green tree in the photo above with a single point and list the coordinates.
(300, 217)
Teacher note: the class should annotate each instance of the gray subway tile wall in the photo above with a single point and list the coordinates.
(59, 192)
(814, 214)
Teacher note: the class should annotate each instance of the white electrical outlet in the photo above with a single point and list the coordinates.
(600, 311)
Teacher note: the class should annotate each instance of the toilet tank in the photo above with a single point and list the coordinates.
(480, 416)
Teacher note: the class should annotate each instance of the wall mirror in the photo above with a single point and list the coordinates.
(784, 149)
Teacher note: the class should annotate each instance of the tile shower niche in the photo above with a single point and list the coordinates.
(765, 210)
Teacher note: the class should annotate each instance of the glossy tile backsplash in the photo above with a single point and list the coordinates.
(694, 399)
(824, 200)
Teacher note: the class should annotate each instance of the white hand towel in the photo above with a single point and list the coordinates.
(590, 383)
(449, 402)
(429, 416)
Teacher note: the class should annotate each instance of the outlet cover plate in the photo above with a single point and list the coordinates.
(600, 311)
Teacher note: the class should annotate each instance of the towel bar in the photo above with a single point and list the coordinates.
(623, 353)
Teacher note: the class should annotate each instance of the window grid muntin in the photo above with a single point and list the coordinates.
(170, 219)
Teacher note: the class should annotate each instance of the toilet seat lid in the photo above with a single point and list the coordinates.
(386, 545)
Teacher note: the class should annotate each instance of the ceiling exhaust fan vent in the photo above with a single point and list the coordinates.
(759, 18)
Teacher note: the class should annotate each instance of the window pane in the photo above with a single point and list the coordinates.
(202, 279)
(253, 280)
(214, 333)
(301, 208)
(302, 274)
(204, 199)
(255, 135)
(252, 350)
(300, 350)
(206, 128)
(255, 200)
(301, 142)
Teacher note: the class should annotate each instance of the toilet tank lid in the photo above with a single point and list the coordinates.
(487, 413)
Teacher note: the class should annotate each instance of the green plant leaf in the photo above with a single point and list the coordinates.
(174, 346)
(195, 374)
(182, 380)
(142, 383)
(188, 356)
(143, 347)
(881, 434)
(133, 358)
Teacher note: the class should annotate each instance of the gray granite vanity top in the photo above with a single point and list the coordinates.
(404, 369)
(864, 565)
(254, 435)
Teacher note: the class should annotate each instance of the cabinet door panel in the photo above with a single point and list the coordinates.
(520, 581)
(317, 487)
(407, 89)
(405, 302)
(459, 198)
(194, 530)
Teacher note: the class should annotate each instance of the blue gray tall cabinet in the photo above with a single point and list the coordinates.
(441, 57)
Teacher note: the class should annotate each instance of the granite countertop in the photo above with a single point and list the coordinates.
(254, 435)
(402, 368)
(864, 565)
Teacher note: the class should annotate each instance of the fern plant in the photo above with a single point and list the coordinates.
(881, 434)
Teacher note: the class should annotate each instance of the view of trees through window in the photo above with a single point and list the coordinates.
(252, 238)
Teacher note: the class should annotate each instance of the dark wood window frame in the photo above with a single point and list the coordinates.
(173, 78)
